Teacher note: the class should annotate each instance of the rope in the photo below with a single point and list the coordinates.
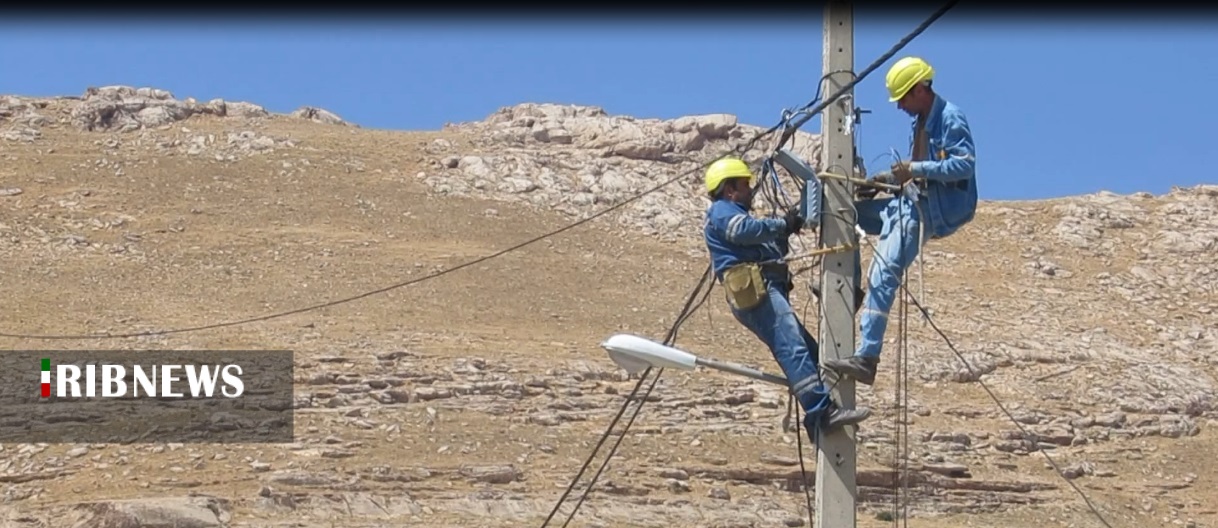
(812, 253)
(988, 391)
(900, 513)
(858, 181)
(921, 253)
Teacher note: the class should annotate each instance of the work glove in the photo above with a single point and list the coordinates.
(795, 222)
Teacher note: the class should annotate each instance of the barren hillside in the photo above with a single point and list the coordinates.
(473, 399)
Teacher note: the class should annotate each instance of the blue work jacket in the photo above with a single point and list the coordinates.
(950, 173)
(734, 236)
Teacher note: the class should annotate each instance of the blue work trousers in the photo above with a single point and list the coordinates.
(896, 220)
(775, 323)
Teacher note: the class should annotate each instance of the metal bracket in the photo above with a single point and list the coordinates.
(813, 197)
(847, 103)
(858, 114)
(858, 159)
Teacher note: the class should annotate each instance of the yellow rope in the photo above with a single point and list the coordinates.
(858, 181)
(822, 251)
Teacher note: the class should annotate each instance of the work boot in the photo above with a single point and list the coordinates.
(862, 369)
(839, 417)
(832, 418)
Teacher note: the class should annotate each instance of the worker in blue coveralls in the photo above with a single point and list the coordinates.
(943, 199)
(743, 251)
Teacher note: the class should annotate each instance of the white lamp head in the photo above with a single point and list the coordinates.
(636, 354)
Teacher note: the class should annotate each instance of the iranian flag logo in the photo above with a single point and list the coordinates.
(46, 377)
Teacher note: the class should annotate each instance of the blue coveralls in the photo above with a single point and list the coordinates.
(949, 200)
(732, 237)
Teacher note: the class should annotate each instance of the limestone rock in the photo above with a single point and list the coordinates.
(177, 512)
(571, 157)
(318, 115)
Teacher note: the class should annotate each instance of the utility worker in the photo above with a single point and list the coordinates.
(743, 252)
(943, 199)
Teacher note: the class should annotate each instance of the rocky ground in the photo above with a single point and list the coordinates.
(474, 398)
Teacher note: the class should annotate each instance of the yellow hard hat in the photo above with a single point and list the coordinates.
(725, 168)
(904, 75)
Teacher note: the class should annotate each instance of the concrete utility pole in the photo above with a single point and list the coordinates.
(835, 457)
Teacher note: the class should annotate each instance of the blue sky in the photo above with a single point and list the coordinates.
(1057, 108)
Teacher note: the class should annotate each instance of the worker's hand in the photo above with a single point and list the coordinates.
(901, 172)
(867, 192)
(795, 222)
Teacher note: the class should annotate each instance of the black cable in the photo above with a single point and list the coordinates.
(870, 68)
(670, 340)
(803, 470)
(612, 451)
(775, 201)
(787, 133)
(620, 412)
(738, 151)
(994, 397)
(790, 129)
(901, 399)
(787, 138)
(686, 311)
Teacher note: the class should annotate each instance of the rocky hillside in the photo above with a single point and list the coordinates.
(575, 160)
(473, 399)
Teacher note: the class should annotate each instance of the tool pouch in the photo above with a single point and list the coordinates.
(744, 285)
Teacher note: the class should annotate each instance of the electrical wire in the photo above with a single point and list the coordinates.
(738, 151)
(807, 112)
(789, 128)
(872, 67)
(973, 375)
(686, 311)
(788, 132)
